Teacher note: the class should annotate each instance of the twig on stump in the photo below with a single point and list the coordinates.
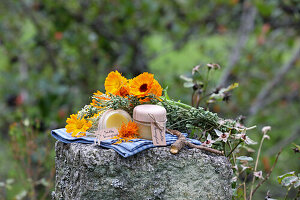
(182, 142)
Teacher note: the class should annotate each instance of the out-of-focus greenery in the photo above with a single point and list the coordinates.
(54, 54)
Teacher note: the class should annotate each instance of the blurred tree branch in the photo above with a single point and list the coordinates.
(283, 143)
(50, 50)
(265, 92)
(292, 96)
(246, 26)
(191, 31)
(138, 62)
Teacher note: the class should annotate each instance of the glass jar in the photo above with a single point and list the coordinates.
(114, 119)
(146, 114)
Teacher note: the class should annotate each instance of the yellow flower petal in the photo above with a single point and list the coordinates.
(75, 125)
(115, 84)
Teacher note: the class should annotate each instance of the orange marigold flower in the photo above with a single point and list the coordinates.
(156, 89)
(144, 85)
(141, 85)
(77, 127)
(127, 132)
(115, 84)
(124, 91)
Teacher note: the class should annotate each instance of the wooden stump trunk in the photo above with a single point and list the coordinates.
(90, 172)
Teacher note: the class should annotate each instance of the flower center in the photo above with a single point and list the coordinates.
(143, 88)
(79, 125)
(223, 135)
(123, 92)
(207, 142)
(243, 137)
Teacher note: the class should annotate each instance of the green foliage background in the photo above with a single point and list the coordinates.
(55, 54)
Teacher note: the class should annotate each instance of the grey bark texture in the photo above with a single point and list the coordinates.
(91, 172)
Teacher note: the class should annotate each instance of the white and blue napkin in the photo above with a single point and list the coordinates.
(125, 149)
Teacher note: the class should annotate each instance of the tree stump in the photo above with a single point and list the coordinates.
(85, 171)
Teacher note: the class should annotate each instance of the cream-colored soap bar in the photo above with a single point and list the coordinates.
(114, 119)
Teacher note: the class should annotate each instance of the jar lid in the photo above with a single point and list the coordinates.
(149, 113)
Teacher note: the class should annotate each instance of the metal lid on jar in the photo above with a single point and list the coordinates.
(149, 113)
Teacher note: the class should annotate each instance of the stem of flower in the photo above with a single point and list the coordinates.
(256, 163)
(224, 147)
(240, 129)
(245, 189)
(233, 156)
(182, 105)
(287, 192)
(178, 122)
(234, 148)
(206, 82)
(268, 175)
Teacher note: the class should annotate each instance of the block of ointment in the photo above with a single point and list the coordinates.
(114, 119)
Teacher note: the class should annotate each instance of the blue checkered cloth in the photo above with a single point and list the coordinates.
(125, 149)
